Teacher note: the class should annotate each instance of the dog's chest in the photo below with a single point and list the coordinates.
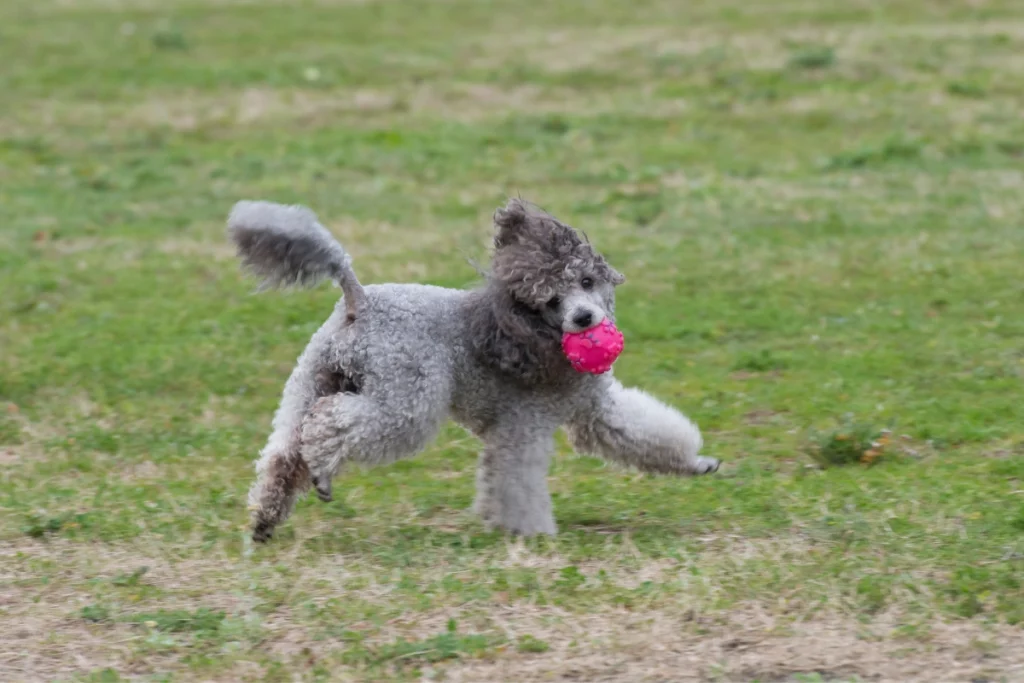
(479, 406)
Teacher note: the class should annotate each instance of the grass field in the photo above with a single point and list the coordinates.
(819, 209)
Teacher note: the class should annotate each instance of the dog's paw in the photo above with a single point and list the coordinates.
(261, 533)
(705, 465)
(323, 489)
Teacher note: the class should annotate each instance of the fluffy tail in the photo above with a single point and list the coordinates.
(287, 246)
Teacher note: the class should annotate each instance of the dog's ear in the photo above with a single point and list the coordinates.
(510, 221)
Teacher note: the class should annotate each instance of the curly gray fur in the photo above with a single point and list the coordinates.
(514, 340)
(376, 386)
(537, 255)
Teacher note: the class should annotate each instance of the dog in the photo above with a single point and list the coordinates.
(394, 361)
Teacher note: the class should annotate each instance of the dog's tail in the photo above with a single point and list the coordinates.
(287, 246)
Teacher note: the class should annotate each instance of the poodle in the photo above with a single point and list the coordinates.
(394, 361)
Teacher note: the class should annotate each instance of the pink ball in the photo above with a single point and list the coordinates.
(594, 350)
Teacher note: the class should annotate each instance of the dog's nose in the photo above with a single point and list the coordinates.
(583, 319)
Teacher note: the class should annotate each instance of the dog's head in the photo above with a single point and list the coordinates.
(548, 267)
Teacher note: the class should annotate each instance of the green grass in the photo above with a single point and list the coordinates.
(818, 209)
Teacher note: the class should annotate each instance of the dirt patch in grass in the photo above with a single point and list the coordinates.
(53, 629)
(255, 106)
(283, 596)
(572, 50)
(748, 645)
(9, 455)
(464, 102)
(136, 5)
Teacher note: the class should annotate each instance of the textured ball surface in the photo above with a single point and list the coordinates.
(594, 350)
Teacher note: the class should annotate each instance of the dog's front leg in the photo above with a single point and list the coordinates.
(511, 483)
(633, 428)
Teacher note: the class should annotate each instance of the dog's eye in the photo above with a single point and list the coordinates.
(554, 302)
(587, 283)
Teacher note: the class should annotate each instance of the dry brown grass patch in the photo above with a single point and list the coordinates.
(670, 639)
(747, 644)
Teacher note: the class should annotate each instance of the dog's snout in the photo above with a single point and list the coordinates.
(583, 319)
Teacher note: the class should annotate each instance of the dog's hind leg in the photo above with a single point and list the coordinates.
(632, 428)
(281, 473)
(282, 476)
(373, 427)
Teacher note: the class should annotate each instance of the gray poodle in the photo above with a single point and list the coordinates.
(394, 361)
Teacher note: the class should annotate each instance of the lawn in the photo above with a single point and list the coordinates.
(818, 206)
